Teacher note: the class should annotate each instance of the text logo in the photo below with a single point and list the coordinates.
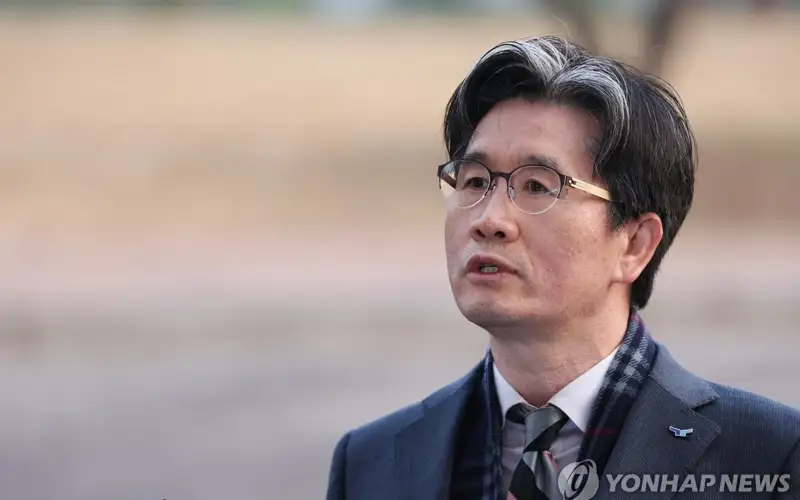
(725, 483)
(579, 480)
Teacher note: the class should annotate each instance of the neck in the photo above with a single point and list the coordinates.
(538, 361)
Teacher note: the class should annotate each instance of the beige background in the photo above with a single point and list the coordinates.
(221, 240)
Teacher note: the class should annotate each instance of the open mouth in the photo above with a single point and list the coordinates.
(486, 266)
(488, 269)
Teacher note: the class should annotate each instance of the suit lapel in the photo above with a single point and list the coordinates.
(646, 446)
(424, 449)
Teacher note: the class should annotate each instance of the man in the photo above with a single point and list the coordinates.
(569, 178)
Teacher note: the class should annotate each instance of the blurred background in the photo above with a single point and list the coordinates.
(208, 272)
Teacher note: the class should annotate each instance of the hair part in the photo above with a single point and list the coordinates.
(646, 152)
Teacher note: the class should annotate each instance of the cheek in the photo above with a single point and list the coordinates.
(454, 238)
(567, 251)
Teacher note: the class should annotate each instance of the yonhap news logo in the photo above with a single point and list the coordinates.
(675, 483)
(579, 480)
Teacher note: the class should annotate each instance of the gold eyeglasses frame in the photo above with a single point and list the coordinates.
(565, 181)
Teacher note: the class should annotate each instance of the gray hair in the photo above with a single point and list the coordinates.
(552, 59)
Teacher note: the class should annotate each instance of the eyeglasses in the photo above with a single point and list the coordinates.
(534, 189)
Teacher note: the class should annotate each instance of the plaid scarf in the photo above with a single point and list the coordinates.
(477, 468)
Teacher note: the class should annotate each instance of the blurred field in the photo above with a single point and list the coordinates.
(221, 245)
(121, 128)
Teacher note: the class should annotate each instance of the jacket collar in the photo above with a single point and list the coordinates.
(424, 449)
(669, 397)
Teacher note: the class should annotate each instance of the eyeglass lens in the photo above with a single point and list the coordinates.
(533, 189)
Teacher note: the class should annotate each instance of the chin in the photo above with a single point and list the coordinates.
(489, 313)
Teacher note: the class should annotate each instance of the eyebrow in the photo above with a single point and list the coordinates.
(532, 159)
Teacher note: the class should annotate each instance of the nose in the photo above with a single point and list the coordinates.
(496, 220)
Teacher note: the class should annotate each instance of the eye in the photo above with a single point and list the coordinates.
(477, 183)
(536, 181)
(536, 187)
(472, 176)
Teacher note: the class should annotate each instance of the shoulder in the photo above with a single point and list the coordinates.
(759, 431)
(735, 399)
(364, 457)
(371, 445)
(379, 434)
(735, 406)
(748, 411)
(751, 425)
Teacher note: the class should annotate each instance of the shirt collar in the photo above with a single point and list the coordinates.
(575, 400)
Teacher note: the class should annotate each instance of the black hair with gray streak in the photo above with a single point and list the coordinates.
(646, 152)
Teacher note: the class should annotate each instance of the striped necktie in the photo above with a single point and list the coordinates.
(536, 475)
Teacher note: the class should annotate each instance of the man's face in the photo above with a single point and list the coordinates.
(559, 262)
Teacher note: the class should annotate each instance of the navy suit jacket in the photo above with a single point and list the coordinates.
(409, 454)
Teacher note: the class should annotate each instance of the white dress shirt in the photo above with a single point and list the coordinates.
(575, 400)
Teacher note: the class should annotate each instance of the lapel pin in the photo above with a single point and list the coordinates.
(681, 433)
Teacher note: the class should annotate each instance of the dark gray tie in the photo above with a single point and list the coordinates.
(536, 475)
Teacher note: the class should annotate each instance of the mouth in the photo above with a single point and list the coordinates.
(487, 265)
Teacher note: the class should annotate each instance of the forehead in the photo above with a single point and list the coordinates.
(516, 130)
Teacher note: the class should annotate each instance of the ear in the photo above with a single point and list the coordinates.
(639, 239)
